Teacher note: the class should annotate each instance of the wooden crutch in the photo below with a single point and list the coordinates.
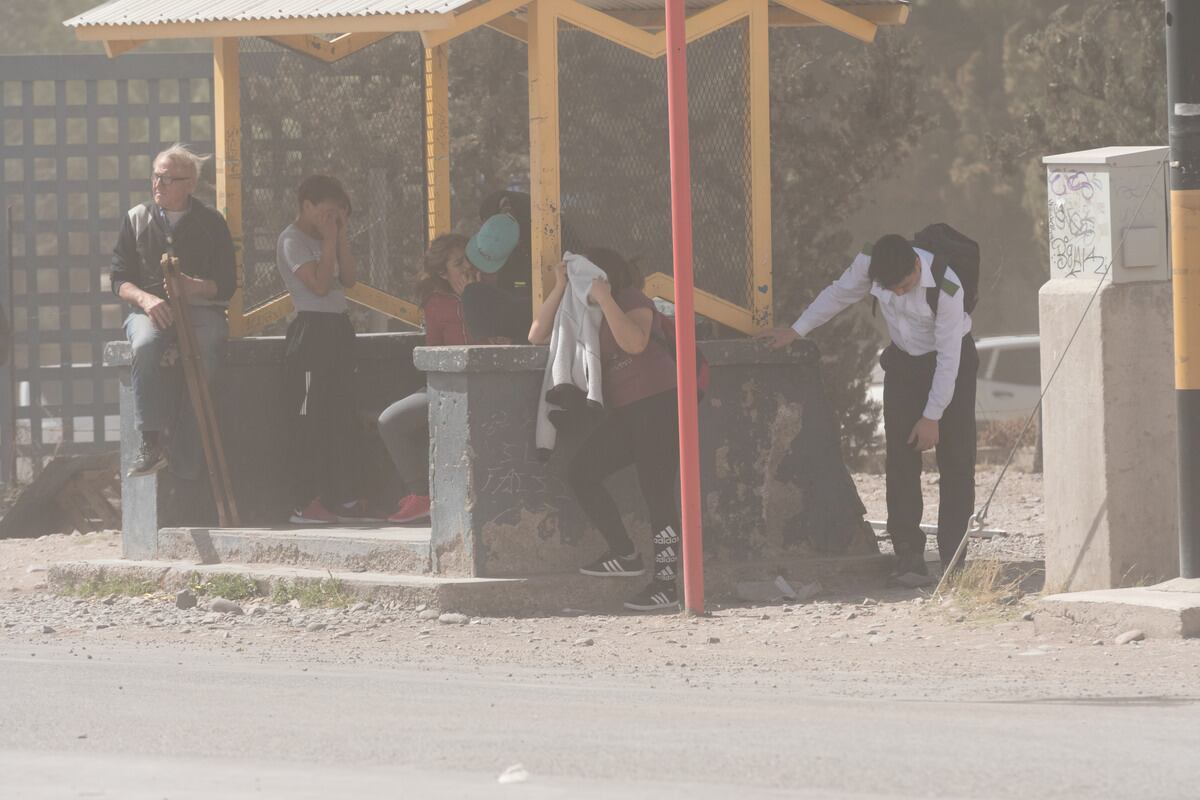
(197, 384)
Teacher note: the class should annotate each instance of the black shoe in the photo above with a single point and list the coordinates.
(615, 566)
(150, 460)
(655, 597)
(911, 571)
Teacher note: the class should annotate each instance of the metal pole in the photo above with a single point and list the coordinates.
(8, 403)
(685, 315)
(1183, 101)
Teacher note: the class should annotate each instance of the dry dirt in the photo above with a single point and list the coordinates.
(881, 643)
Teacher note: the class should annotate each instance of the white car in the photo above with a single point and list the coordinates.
(1009, 384)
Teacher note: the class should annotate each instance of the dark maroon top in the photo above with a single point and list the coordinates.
(629, 378)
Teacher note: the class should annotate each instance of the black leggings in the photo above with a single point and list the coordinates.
(644, 434)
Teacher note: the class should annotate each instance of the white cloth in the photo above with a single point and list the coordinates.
(574, 357)
(911, 321)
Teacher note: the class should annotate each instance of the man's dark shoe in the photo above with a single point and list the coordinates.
(910, 571)
(149, 460)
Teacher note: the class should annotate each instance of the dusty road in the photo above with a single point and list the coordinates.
(879, 694)
(178, 722)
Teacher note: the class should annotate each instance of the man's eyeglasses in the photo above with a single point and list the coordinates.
(167, 180)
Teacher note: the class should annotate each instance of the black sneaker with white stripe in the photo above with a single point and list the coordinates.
(657, 596)
(615, 566)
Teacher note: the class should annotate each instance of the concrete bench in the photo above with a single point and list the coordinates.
(775, 487)
(774, 483)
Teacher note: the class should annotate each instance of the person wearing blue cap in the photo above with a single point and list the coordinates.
(495, 313)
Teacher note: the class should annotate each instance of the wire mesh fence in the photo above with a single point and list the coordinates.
(359, 119)
(615, 155)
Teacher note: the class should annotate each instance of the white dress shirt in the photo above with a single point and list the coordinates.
(911, 322)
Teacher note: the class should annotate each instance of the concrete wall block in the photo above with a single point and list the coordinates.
(773, 479)
(1109, 421)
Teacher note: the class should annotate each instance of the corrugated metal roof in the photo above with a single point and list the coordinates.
(161, 12)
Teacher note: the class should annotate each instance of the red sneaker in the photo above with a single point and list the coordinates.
(412, 508)
(312, 514)
(355, 511)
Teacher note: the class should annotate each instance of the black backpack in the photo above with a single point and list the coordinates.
(949, 247)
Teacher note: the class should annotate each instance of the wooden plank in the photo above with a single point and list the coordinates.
(511, 26)
(759, 206)
(266, 314)
(385, 303)
(544, 183)
(469, 20)
(707, 305)
(227, 136)
(437, 141)
(652, 19)
(834, 17)
(329, 50)
(121, 46)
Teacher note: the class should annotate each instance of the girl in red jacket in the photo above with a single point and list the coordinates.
(404, 425)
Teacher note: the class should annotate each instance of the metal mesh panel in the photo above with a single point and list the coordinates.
(615, 157)
(77, 136)
(359, 119)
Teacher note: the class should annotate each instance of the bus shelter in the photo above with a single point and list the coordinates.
(739, 292)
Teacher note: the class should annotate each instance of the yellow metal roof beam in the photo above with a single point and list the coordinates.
(117, 48)
(512, 27)
(471, 19)
(329, 50)
(707, 305)
(651, 45)
(779, 17)
(378, 23)
(834, 17)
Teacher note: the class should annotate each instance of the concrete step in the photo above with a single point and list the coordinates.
(371, 548)
(475, 596)
(536, 595)
(1168, 610)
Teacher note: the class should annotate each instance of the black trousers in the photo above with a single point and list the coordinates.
(325, 439)
(906, 384)
(644, 434)
(491, 312)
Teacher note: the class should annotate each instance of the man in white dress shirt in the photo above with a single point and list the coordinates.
(928, 392)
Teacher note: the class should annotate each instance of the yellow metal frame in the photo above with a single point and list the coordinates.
(437, 140)
(536, 23)
(330, 50)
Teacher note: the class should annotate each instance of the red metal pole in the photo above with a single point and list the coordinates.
(685, 315)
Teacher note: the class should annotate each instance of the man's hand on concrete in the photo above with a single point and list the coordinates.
(924, 435)
(778, 337)
(158, 310)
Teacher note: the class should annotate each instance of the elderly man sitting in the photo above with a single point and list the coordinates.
(172, 222)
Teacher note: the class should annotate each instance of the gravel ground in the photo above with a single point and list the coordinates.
(1017, 509)
(885, 644)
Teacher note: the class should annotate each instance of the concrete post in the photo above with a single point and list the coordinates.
(1109, 415)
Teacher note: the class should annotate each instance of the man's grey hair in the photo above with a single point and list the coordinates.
(181, 155)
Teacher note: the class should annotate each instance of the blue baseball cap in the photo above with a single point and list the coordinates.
(493, 243)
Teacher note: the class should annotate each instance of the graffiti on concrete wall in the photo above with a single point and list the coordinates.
(1080, 245)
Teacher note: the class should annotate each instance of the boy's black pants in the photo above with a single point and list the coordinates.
(907, 380)
(324, 435)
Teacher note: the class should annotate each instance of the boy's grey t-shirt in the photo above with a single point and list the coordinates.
(294, 249)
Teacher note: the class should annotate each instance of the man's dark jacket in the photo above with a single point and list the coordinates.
(201, 241)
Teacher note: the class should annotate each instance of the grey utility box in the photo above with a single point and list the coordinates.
(1096, 224)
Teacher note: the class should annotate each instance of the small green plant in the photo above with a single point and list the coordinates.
(328, 592)
(104, 585)
(231, 587)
